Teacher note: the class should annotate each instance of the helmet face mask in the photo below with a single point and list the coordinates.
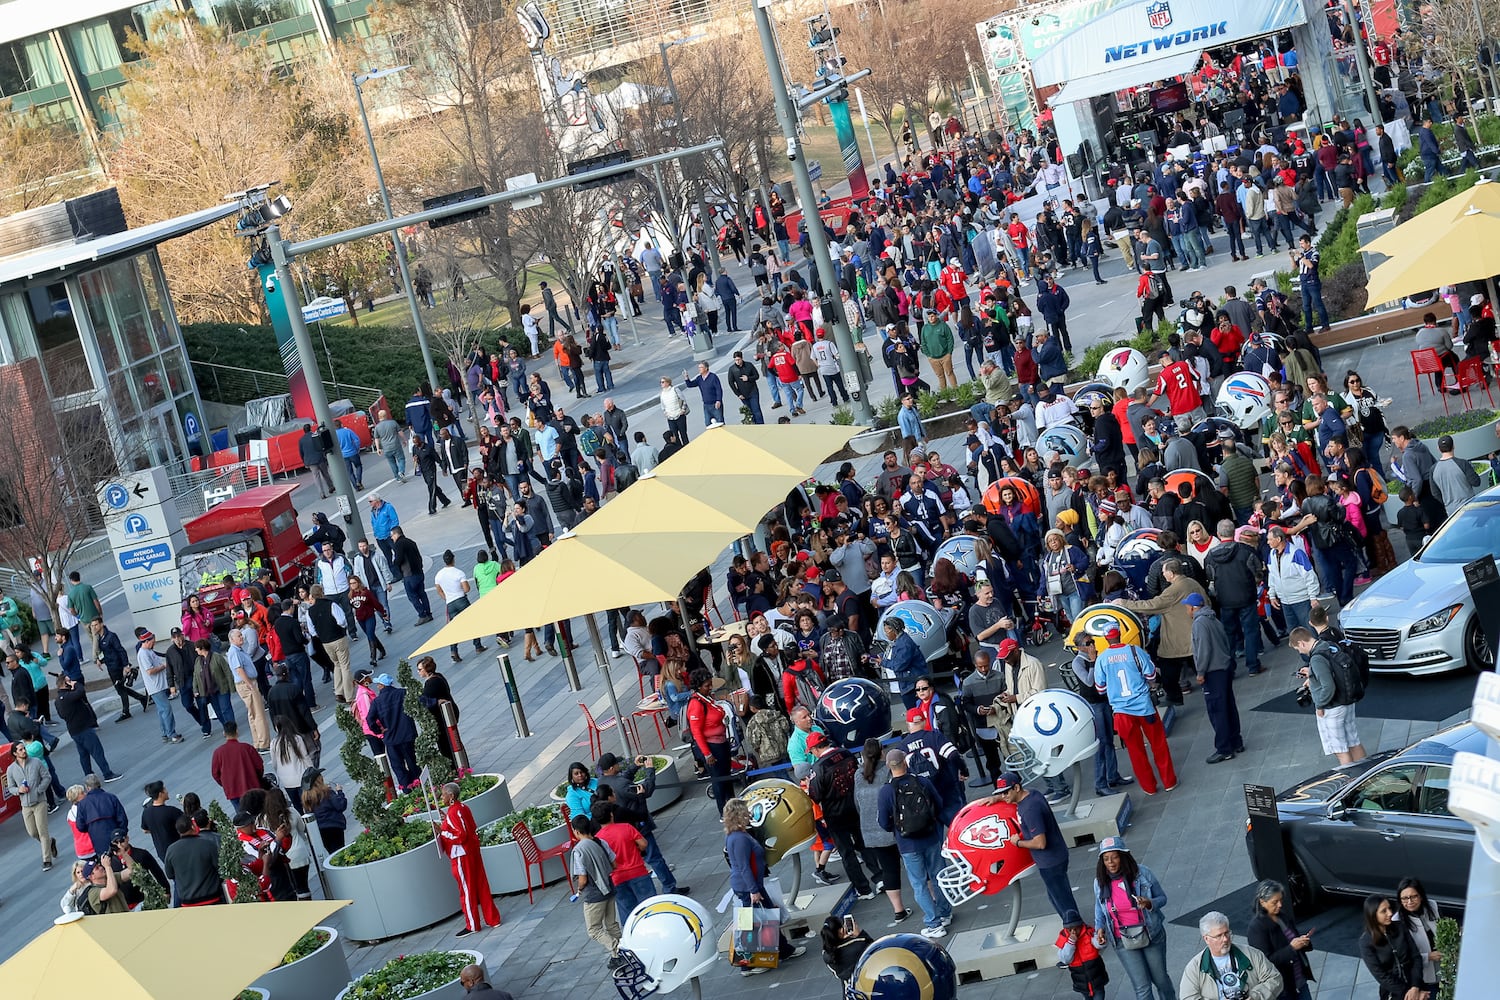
(668, 939)
(1053, 730)
(982, 858)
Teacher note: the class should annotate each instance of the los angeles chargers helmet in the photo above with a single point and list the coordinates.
(781, 817)
(1052, 730)
(903, 967)
(853, 710)
(666, 942)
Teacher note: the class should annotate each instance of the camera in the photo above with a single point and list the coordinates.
(1304, 696)
(791, 149)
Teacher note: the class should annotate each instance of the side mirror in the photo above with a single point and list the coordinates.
(1338, 811)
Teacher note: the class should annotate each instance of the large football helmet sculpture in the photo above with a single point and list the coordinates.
(1052, 731)
(903, 967)
(853, 710)
(982, 858)
(781, 816)
(666, 941)
(1096, 622)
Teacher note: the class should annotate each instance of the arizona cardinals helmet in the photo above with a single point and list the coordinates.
(781, 816)
(1126, 368)
(853, 710)
(903, 967)
(982, 859)
(1244, 399)
(1053, 729)
(667, 941)
(1097, 621)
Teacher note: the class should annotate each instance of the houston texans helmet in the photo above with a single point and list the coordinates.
(962, 551)
(982, 858)
(853, 710)
(1133, 558)
(1052, 730)
(666, 942)
(1098, 620)
(1062, 443)
(903, 967)
(925, 624)
(1244, 399)
(781, 816)
(1124, 368)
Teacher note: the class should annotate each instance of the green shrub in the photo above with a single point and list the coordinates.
(885, 413)
(1285, 282)
(927, 404)
(368, 804)
(306, 945)
(232, 858)
(1340, 246)
(413, 802)
(536, 818)
(1395, 197)
(429, 758)
(1332, 229)
(1453, 423)
(843, 416)
(1094, 356)
(1437, 192)
(370, 846)
(1448, 939)
(408, 976)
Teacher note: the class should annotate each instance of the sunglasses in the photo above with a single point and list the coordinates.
(923, 688)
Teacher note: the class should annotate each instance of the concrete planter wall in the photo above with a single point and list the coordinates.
(316, 977)
(396, 895)
(453, 990)
(668, 786)
(1477, 442)
(487, 806)
(506, 871)
(1393, 504)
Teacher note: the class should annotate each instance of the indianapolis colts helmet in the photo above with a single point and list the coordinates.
(1134, 556)
(853, 710)
(781, 816)
(1124, 368)
(1026, 493)
(903, 967)
(1098, 620)
(925, 624)
(982, 859)
(962, 551)
(666, 942)
(1244, 399)
(1053, 730)
(1066, 441)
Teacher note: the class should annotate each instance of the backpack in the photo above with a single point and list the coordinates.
(1349, 686)
(1378, 494)
(915, 815)
(272, 642)
(809, 690)
(1356, 653)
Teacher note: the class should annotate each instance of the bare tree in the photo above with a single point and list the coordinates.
(41, 162)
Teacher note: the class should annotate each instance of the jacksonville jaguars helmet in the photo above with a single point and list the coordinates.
(666, 942)
(1124, 368)
(1133, 558)
(781, 816)
(925, 624)
(1066, 441)
(903, 967)
(853, 710)
(982, 856)
(1098, 620)
(1052, 730)
(1244, 399)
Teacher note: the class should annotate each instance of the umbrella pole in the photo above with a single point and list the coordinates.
(609, 685)
(565, 643)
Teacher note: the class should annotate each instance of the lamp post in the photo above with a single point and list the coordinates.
(360, 79)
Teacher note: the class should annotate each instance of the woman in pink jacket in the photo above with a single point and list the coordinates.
(364, 696)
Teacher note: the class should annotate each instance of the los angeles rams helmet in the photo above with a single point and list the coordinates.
(781, 816)
(903, 967)
(1052, 730)
(667, 941)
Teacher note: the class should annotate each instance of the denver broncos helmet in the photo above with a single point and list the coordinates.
(903, 967)
(1096, 622)
(1133, 558)
(1052, 730)
(1126, 368)
(982, 859)
(781, 816)
(1026, 494)
(667, 941)
(853, 710)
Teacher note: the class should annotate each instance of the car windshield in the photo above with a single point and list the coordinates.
(1473, 532)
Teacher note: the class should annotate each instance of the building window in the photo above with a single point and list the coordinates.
(29, 64)
(11, 515)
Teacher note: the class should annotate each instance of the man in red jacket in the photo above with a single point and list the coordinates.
(459, 838)
(236, 766)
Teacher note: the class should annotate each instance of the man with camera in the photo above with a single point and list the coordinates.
(110, 654)
(633, 809)
(1331, 684)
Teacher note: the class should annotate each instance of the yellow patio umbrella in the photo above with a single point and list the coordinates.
(1456, 240)
(676, 506)
(209, 951)
(757, 449)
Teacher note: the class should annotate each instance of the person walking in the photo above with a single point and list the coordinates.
(212, 682)
(110, 653)
(156, 678)
(330, 626)
(310, 450)
(83, 725)
(909, 807)
(881, 852)
(1236, 571)
(675, 409)
(1273, 931)
(1052, 304)
(592, 866)
(406, 559)
(1216, 676)
(549, 303)
(453, 587)
(1332, 679)
(630, 877)
(1124, 674)
(708, 726)
(831, 786)
(425, 458)
(1128, 902)
(236, 767)
(27, 780)
(744, 382)
(458, 837)
(1225, 969)
(747, 872)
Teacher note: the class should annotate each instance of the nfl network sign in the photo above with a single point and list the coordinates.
(1159, 21)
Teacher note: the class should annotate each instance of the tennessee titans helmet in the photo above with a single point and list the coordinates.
(853, 710)
(903, 967)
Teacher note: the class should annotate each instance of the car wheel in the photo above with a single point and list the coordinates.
(1307, 893)
(1477, 652)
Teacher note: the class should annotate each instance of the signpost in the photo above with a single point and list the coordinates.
(145, 532)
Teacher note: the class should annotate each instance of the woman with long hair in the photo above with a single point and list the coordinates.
(747, 868)
(367, 609)
(1387, 949)
(292, 753)
(327, 803)
(1273, 930)
(843, 944)
(1128, 901)
(1420, 915)
(880, 855)
(579, 793)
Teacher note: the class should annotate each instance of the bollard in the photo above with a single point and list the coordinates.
(513, 694)
(565, 643)
(450, 720)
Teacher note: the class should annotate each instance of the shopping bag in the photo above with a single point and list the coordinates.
(757, 937)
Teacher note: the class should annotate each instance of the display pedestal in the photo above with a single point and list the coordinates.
(1095, 819)
(987, 954)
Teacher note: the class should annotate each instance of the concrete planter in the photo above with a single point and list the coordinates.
(316, 977)
(487, 806)
(668, 784)
(506, 871)
(1477, 442)
(453, 990)
(1393, 504)
(395, 895)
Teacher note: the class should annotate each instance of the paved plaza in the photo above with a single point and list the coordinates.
(1192, 837)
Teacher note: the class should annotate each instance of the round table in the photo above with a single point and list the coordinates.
(723, 633)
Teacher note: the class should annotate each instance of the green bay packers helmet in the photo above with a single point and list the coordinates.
(781, 816)
(1098, 620)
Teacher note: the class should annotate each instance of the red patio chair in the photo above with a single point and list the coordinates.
(534, 855)
(1470, 374)
(1427, 362)
(596, 730)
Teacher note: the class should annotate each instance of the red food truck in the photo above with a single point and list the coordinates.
(235, 538)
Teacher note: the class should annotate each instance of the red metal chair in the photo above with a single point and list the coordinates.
(596, 730)
(567, 815)
(534, 855)
(1427, 362)
(655, 716)
(1470, 374)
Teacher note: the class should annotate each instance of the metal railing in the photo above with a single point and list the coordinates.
(196, 492)
(236, 386)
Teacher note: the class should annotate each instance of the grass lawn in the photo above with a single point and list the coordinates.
(396, 312)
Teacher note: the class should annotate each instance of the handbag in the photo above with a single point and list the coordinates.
(757, 937)
(1132, 938)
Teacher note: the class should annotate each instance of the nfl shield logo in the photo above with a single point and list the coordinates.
(1159, 14)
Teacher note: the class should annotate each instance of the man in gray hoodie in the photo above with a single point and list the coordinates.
(1212, 661)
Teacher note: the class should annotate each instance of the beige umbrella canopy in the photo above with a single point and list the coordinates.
(209, 951)
(1454, 241)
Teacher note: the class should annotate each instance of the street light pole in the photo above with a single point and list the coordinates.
(786, 117)
(360, 79)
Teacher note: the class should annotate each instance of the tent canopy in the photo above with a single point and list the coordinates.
(1126, 75)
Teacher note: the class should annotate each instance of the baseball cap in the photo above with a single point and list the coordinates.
(310, 775)
(832, 576)
(88, 868)
(362, 674)
(1193, 600)
(1225, 434)
(178, 631)
(1113, 844)
(816, 739)
(1112, 633)
(916, 715)
(385, 679)
(1007, 780)
(1006, 647)
(1476, 299)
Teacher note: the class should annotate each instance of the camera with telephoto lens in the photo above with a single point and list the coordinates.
(1304, 696)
